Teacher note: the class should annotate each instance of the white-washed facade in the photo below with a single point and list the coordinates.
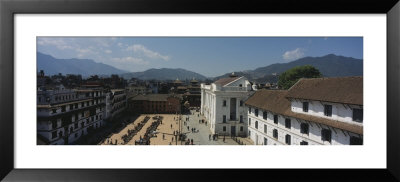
(295, 121)
(261, 131)
(223, 106)
(63, 116)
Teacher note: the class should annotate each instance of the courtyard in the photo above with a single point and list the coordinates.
(166, 133)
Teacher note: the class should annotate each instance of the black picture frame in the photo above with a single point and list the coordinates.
(8, 8)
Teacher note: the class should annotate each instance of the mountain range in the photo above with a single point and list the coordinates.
(84, 67)
(164, 74)
(330, 66)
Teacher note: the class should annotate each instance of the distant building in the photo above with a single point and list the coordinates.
(193, 93)
(64, 115)
(118, 102)
(318, 111)
(155, 103)
(136, 90)
(222, 104)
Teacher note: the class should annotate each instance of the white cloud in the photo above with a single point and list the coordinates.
(131, 60)
(57, 42)
(293, 54)
(108, 51)
(137, 48)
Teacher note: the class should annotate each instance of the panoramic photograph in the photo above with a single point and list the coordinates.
(199, 90)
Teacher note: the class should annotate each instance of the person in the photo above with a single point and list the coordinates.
(209, 137)
(163, 136)
(191, 140)
(172, 138)
(171, 126)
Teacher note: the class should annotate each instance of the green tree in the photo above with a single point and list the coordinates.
(291, 76)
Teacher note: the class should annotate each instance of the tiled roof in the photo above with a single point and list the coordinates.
(224, 81)
(347, 90)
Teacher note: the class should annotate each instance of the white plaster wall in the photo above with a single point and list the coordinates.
(213, 110)
(340, 112)
(338, 137)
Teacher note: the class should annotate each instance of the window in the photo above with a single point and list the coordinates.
(224, 128)
(53, 134)
(71, 106)
(358, 115)
(265, 141)
(240, 85)
(54, 124)
(54, 110)
(241, 103)
(241, 128)
(82, 104)
(224, 118)
(63, 109)
(249, 121)
(356, 140)
(288, 123)
(303, 143)
(249, 133)
(82, 114)
(249, 109)
(265, 114)
(76, 106)
(224, 103)
(287, 139)
(326, 135)
(304, 128)
(328, 110)
(265, 128)
(276, 119)
(275, 133)
(305, 106)
(256, 124)
(256, 112)
(241, 119)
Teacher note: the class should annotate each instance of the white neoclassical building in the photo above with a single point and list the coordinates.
(222, 104)
(319, 111)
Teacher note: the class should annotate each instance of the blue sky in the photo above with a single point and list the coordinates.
(210, 56)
